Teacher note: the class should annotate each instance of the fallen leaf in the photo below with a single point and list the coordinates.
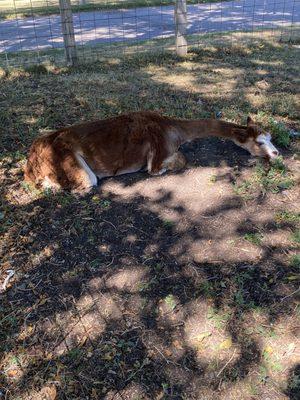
(226, 344)
(83, 340)
(12, 373)
(202, 336)
(200, 340)
(30, 329)
(269, 350)
(177, 344)
(48, 392)
(291, 348)
(293, 277)
(42, 301)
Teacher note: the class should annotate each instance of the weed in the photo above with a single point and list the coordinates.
(147, 285)
(253, 389)
(105, 203)
(74, 354)
(296, 236)
(287, 217)
(254, 238)
(263, 372)
(276, 366)
(168, 224)
(65, 198)
(95, 264)
(295, 261)
(274, 179)
(265, 332)
(278, 164)
(219, 319)
(144, 286)
(213, 179)
(206, 287)
(158, 268)
(243, 189)
(239, 298)
(171, 302)
(280, 133)
(14, 361)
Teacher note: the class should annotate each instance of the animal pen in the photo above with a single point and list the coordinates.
(76, 31)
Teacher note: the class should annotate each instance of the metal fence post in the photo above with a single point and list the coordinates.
(68, 31)
(180, 27)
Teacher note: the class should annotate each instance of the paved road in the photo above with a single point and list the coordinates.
(146, 23)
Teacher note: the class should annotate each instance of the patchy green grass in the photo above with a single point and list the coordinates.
(265, 179)
(168, 224)
(280, 133)
(274, 179)
(287, 217)
(170, 302)
(254, 238)
(296, 236)
(295, 261)
(219, 319)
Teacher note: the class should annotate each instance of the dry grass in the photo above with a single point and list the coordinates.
(177, 287)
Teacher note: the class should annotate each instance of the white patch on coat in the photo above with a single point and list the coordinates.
(92, 178)
(264, 140)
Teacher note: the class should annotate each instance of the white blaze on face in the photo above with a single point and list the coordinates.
(264, 140)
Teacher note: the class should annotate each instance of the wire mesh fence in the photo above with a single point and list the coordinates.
(35, 31)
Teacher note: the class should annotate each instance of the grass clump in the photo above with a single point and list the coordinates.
(171, 302)
(274, 179)
(254, 238)
(295, 261)
(296, 236)
(287, 217)
(280, 133)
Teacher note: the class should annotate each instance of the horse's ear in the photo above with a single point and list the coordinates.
(249, 121)
(240, 135)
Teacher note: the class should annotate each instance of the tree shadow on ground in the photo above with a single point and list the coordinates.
(293, 387)
(106, 291)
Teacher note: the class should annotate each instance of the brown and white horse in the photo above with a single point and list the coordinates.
(76, 157)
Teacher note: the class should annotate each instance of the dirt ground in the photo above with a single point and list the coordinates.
(183, 286)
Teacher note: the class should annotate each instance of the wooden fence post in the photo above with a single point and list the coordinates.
(68, 31)
(180, 27)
